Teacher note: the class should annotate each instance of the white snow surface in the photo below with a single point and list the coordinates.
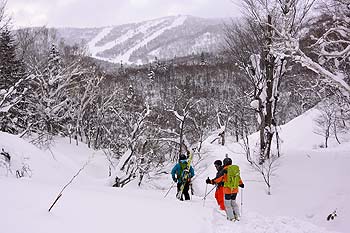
(309, 184)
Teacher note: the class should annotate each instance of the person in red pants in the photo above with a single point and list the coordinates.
(230, 188)
(219, 193)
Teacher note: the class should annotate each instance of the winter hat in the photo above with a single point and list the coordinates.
(182, 157)
(218, 163)
(227, 161)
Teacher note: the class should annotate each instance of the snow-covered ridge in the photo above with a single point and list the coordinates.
(140, 42)
(126, 56)
(95, 49)
(144, 28)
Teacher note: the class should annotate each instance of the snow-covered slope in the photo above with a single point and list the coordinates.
(53, 165)
(309, 183)
(141, 42)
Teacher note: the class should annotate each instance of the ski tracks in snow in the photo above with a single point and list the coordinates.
(94, 49)
(92, 44)
(126, 56)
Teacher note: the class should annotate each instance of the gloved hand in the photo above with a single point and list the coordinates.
(174, 179)
(208, 181)
(241, 185)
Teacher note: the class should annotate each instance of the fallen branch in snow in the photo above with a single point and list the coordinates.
(217, 138)
(60, 193)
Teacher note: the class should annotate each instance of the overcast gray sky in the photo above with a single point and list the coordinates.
(93, 13)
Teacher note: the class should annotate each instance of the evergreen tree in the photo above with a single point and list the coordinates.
(10, 66)
(11, 82)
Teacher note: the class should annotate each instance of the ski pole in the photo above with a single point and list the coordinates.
(205, 194)
(241, 202)
(191, 186)
(208, 193)
(172, 185)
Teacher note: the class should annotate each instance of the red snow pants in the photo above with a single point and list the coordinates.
(219, 196)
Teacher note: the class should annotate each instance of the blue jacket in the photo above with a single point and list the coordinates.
(178, 171)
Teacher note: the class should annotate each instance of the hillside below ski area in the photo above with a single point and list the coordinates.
(308, 184)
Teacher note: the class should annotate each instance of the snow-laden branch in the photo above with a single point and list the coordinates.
(140, 122)
(317, 68)
(177, 115)
(10, 97)
(287, 45)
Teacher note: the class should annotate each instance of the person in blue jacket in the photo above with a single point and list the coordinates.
(177, 174)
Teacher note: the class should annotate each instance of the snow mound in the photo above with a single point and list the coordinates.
(59, 162)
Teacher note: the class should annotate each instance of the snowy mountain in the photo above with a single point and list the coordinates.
(309, 183)
(138, 43)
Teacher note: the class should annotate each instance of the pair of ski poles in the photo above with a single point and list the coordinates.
(170, 189)
(172, 185)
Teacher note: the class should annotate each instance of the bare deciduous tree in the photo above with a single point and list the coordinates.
(332, 120)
